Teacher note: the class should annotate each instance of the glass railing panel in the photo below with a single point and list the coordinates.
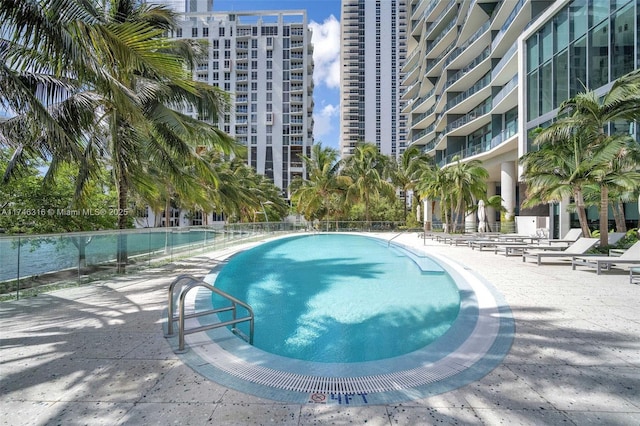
(33, 263)
(476, 61)
(507, 23)
(482, 83)
(507, 56)
(505, 90)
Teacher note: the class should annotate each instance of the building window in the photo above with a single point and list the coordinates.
(561, 74)
(546, 89)
(578, 18)
(532, 95)
(578, 66)
(221, 32)
(599, 56)
(205, 32)
(623, 50)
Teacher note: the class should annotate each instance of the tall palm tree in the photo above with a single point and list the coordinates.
(435, 184)
(557, 170)
(315, 196)
(468, 182)
(367, 169)
(406, 171)
(584, 120)
(125, 76)
(38, 70)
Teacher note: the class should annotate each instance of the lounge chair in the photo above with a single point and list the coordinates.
(580, 246)
(570, 237)
(631, 255)
(492, 244)
(614, 237)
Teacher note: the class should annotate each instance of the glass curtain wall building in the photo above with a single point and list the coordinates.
(373, 49)
(577, 46)
(480, 74)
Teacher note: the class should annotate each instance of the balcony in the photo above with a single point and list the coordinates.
(476, 61)
(482, 83)
(476, 113)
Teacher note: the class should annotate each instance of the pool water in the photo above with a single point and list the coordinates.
(339, 298)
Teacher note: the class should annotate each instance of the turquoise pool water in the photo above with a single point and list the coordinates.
(339, 298)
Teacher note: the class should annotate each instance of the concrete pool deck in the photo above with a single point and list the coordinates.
(96, 355)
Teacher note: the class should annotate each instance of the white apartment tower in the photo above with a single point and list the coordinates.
(373, 50)
(264, 59)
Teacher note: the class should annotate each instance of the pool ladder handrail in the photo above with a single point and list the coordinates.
(404, 231)
(189, 283)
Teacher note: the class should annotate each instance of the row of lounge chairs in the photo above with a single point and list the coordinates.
(572, 247)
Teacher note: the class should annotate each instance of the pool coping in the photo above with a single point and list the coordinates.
(459, 357)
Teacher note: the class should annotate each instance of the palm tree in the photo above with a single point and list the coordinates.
(315, 196)
(37, 50)
(367, 168)
(125, 75)
(557, 170)
(434, 183)
(584, 119)
(405, 172)
(468, 182)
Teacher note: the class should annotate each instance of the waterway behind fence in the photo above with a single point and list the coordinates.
(28, 261)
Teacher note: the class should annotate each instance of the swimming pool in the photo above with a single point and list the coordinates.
(339, 298)
(474, 343)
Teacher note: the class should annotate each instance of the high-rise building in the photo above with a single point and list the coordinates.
(480, 75)
(576, 46)
(264, 59)
(373, 50)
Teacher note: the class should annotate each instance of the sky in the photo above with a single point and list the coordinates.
(324, 20)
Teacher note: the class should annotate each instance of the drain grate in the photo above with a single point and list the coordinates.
(288, 381)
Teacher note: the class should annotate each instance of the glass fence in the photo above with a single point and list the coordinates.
(34, 263)
(31, 264)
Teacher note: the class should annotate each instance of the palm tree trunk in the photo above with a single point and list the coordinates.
(618, 215)
(167, 213)
(121, 253)
(604, 215)
(582, 213)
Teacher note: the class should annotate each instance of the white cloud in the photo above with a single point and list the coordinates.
(326, 52)
(324, 119)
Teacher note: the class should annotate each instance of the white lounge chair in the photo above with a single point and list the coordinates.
(570, 237)
(631, 255)
(580, 246)
(614, 237)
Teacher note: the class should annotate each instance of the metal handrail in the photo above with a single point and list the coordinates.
(191, 283)
(400, 233)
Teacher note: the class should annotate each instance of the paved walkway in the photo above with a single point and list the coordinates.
(96, 355)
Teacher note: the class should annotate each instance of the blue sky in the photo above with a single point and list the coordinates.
(324, 19)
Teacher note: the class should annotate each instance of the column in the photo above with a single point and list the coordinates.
(491, 212)
(565, 218)
(508, 188)
(428, 214)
